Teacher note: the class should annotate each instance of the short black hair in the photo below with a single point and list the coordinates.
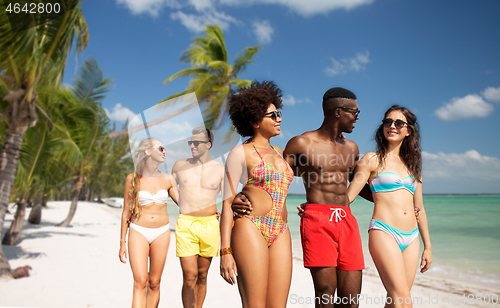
(333, 98)
(248, 106)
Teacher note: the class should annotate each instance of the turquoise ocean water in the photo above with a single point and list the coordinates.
(464, 230)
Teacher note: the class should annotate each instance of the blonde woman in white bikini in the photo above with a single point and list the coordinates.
(145, 208)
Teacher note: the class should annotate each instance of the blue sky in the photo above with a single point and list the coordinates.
(438, 58)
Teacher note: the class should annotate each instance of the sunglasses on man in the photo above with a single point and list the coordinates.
(196, 142)
(355, 112)
(274, 115)
(399, 124)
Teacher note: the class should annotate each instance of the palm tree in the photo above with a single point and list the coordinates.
(212, 75)
(212, 78)
(36, 151)
(24, 57)
(85, 125)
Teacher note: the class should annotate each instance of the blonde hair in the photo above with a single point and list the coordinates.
(140, 161)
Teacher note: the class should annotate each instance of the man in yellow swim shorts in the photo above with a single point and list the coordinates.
(197, 233)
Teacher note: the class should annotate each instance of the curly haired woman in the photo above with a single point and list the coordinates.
(145, 207)
(257, 249)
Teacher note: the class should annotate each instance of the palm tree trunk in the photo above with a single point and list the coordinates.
(8, 165)
(91, 195)
(14, 233)
(44, 200)
(36, 211)
(99, 196)
(75, 192)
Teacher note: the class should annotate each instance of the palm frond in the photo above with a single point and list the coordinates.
(197, 55)
(244, 58)
(241, 83)
(217, 44)
(89, 83)
(219, 65)
(213, 111)
(197, 71)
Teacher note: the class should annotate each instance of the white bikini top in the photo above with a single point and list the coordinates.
(160, 197)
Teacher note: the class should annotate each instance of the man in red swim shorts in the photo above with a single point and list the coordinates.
(330, 237)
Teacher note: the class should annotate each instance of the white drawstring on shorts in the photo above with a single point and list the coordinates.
(338, 212)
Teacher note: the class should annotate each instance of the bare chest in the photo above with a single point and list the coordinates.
(327, 161)
(201, 177)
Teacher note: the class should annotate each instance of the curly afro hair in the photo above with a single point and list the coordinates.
(247, 106)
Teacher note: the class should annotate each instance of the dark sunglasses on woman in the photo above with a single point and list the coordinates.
(274, 115)
(399, 124)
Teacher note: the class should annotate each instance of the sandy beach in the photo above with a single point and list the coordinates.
(78, 266)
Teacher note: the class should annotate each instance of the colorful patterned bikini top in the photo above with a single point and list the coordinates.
(390, 181)
(266, 177)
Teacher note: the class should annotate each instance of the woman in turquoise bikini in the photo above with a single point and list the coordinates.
(394, 174)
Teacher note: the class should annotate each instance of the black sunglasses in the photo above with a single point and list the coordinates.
(196, 143)
(274, 115)
(161, 148)
(399, 124)
(355, 112)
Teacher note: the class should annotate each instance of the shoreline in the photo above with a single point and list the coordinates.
(78, 266)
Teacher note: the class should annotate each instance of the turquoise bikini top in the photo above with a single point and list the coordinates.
(390, 181)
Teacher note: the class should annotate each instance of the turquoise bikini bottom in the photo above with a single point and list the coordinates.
(404, 239)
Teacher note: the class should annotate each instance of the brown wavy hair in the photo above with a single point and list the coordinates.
(410, 151)
(139, 162)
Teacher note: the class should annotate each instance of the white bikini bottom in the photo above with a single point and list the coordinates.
(150, 234)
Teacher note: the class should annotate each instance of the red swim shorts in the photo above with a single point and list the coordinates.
(330, 238)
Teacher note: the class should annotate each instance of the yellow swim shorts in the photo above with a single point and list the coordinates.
(197, 236)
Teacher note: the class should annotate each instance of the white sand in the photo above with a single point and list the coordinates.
(79, 267)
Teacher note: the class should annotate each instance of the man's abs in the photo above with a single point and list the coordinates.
(331, 194)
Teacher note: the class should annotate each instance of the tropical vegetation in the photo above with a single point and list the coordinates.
(48, 131)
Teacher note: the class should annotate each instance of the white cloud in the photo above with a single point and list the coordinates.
(196, 23)
(305, 8)
(289, 100)
(263, 31)
(201, 5)
(468, 172)
(342, 66)
(120, 113)
(467, 166)
(301, 7)
(470, 106)
(492, 94)
(151, 7)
